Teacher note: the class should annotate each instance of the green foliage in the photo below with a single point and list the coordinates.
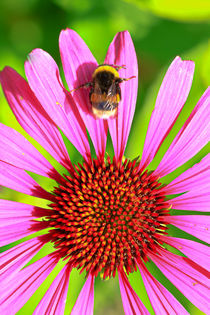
(187, 10)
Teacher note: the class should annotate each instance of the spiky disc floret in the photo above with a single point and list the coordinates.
(106, 217)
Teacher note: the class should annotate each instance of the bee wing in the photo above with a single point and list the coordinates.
(112, 89)
(97, 89)
(107, 105)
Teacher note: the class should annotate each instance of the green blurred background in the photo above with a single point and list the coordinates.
(160, 31)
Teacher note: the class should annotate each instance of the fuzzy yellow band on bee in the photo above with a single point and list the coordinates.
(106, 68)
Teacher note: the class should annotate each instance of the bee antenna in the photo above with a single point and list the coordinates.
(85, 85)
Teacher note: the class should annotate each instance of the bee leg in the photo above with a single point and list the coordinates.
(85, 85)
(118, 67)
(120, 80)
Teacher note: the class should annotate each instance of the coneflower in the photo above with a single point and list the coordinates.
(108, 216)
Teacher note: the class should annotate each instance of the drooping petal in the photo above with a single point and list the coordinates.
(13, 232)
(172, 95)
(131, 302)
(196, 177)
(14, 259)
(31, 115)
(188, 278)
(163, 302)
(18, 151)
(79, 65)
(17, 179)
(16, 292)
(197, 225)
(197, 252)
(54, 299)
(44, 79)
(122, 52)
(12, 212)
(197, 200)
(192, 137)
(85, 301)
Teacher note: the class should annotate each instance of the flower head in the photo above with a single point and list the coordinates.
(108, 216)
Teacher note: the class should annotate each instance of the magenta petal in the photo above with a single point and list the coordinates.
(85, 301)
(16, 292)
(12, 212)
(192, 137)
(44, 79)
(172, 95)
(197, 252)
(196, 177)
(12, 260)
(31, 115)
(197, 225)
(122, 52)
(131, 302)
(198, 200)
(188, 278)
(163, 302)
(13, 232)
(78, 61)
(54, 299)
(21, 153)
(17, 179)
(79, 64)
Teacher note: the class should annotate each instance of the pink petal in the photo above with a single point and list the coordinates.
(22, 286)
(17, 179)
(79, 65)
(172, 95)
(131, 302)
(198, 200)
(44, 79)
(192, 137)
(12, 212)
(163, 302)
(122, 52)
(85, 301)
(14, 259)
(189, 279)
(197, 252)
(54, 299)
(21, 153)
(196, 225)
(15, 231)
(194, 178)
(31, 115)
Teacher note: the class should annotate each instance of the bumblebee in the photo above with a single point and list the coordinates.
(105, 93)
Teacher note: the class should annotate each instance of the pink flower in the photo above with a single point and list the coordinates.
(106, 216)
